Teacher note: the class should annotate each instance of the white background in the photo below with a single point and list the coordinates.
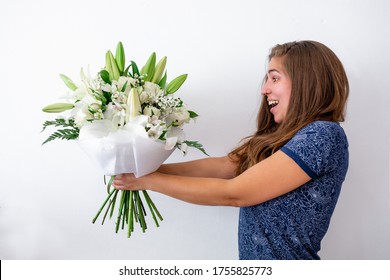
(49, 194)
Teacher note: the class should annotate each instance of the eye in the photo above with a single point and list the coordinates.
(275, 79)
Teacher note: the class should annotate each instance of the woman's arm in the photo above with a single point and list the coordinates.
(268, 179)
(212, 167)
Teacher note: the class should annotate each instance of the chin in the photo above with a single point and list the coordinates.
(277, 120)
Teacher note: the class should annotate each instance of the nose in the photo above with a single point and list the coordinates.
(265, 91)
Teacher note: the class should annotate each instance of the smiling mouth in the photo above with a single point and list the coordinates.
(272, 103)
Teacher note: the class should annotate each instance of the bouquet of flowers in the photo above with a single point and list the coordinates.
(129, 121)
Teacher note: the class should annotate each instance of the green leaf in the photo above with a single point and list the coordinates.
(59, 122)
(68, 82)
(126, 71)
(134, 69)
(64, 134)
(105, 76)
(107, 96)
(196, 145)
(149, 67)
(124, 87)
(120, 57)
(193, 114)
(163, 81)
(175, 84)
(70, 132)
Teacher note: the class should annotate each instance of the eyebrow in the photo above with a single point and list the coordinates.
(273, 70)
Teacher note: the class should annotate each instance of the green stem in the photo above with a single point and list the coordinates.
(141, 213)
(131, 207)
(135, 201)
(101, 208)
(152, 204)
(118, 220)
(110, 205)
(130, 215)
(109, 183)
(125, 209)
(148, 201)
(113, 203)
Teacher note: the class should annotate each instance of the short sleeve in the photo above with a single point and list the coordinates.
(317, 148)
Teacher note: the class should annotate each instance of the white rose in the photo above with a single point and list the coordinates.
(82, 116)
(155, 132)
(122, 81)
(94, 107)
(179, 116)
(173, 136)
(151, 111)
(184, 148)
(150, 92)
(152, 88)
(110, 111)
(80, 92)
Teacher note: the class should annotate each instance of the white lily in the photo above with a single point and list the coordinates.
(179, 116)
(170, 143)
(86, 79)
(151, 111)
(184, 148)
(128, 81)
(174, 135)
(150, 92)
(155, 132)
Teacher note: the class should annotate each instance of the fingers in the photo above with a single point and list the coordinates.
(118, 182)
(123, 181)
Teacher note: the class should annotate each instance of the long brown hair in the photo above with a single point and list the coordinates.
(319, 91)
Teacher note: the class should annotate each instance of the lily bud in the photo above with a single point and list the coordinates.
(133, 105)
(68, 82)
(149, 67)
(120, 57)
(111, 66)
(57, 107)
(159, 70)
(175, 84)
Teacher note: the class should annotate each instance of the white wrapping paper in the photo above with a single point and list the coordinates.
(124, 150)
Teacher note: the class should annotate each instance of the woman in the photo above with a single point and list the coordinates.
(286, 178)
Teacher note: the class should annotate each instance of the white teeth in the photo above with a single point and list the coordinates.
(273, 103)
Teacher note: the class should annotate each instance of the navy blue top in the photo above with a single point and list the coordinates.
(292, 226)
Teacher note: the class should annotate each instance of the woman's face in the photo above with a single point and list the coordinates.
(277, 89)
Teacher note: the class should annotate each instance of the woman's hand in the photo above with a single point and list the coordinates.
(126, 182)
